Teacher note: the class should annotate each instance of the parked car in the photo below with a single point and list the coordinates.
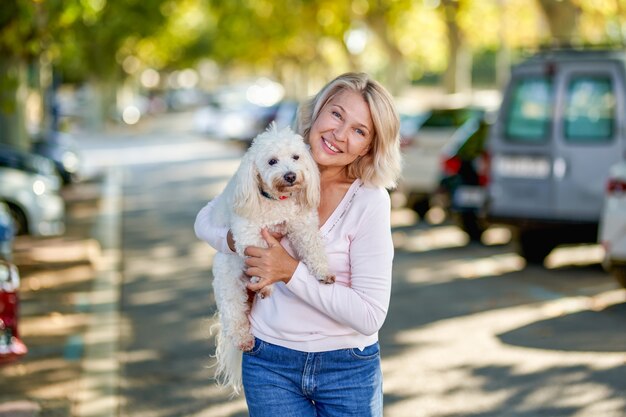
(239, 112)
(11, 345)
(34, 202)
(612, 232)
(559, 129)
(286, 114)
(62, 149)
(464, 175)
(7, 232)
(423, 136)
(11, 157)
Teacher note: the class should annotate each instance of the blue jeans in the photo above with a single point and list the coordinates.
(288, 383)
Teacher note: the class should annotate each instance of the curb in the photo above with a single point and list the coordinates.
(20, 408)
(97, 394)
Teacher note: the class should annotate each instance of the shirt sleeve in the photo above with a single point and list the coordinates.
(210, 233)
(363, 305)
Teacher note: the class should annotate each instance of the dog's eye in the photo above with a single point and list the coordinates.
(296, 157)
(273, 161)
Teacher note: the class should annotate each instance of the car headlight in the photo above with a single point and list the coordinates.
(39, 187)
(70, 161)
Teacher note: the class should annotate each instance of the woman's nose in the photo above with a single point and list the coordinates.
(341, 132)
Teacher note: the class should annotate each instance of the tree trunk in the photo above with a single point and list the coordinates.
(353, 63)
(396, 76)
(503, 54)
(458, 74)
(13, 91)
(562, 19)
(101, 104)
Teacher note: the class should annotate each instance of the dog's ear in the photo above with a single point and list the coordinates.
(247, 198)
(310, 195)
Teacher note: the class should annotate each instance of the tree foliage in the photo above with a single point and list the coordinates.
(91, 38)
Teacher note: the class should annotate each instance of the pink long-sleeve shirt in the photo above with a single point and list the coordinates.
(310, 316)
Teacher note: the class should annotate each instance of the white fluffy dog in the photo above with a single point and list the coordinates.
(275, 187)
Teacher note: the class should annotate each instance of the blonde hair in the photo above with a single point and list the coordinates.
(382, 164)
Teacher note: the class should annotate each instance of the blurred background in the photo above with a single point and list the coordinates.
(120, 119)
(68, 64)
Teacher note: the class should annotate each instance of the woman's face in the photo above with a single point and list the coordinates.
(343, 130)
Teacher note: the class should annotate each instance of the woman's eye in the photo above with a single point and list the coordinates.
(296, 157)
(336, 114)
(272, 161)
(360, 132)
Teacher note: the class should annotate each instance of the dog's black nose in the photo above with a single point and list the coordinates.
(290, 177)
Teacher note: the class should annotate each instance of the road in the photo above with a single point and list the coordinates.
(471, 331)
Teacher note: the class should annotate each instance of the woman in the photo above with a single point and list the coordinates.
(316, 351)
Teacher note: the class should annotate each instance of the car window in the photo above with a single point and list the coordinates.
(589, 110)
(447, 117)
(529, 113)
(26, 162)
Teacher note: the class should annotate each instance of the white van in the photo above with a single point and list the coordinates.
(612, 234)
(560, 127)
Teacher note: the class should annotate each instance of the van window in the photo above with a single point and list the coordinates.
(589, 110)
(449, 117)
(530, 110)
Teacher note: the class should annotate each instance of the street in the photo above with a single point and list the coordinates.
(471, 330)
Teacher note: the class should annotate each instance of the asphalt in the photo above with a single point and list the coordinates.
(69, 317)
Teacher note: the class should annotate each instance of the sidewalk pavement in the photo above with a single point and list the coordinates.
(69, 311)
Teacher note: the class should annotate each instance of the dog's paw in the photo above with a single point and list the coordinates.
(329, 279)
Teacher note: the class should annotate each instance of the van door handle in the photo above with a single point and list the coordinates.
(559, 168)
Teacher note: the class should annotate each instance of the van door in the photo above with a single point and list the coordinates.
(588, 125)
(520, 148)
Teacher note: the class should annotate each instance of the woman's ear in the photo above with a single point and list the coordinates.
(247, 198)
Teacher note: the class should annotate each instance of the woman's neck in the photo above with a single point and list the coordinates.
(333, 174)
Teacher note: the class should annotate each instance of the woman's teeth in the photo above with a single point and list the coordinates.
(330, 146)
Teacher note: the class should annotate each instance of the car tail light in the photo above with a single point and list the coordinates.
(483, 169)
(405, 142)
(451, 166)
(616, 185)
(11, 346)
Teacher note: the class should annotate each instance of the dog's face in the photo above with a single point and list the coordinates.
(282, 166)
(278, 165)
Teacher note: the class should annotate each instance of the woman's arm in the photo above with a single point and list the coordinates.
(363, 305)
(218, 237)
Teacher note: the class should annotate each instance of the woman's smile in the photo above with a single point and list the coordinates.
(330, 147)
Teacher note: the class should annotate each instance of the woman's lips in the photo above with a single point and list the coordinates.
(330, 147)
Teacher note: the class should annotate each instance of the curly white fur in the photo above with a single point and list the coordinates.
(276, 187)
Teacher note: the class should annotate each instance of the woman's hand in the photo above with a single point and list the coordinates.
(230, 240)
(271, 264)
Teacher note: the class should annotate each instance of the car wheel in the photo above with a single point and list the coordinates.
(421, 206)
(619, 273)
(471, 225)
(534, 246)
(19, 218)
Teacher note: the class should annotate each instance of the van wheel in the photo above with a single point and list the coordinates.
(419, 204)
(421, 207)
(619, 273)
(534, 246)
(471, 225)
(19, 218)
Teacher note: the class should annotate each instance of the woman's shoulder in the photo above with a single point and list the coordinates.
(372, 197)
